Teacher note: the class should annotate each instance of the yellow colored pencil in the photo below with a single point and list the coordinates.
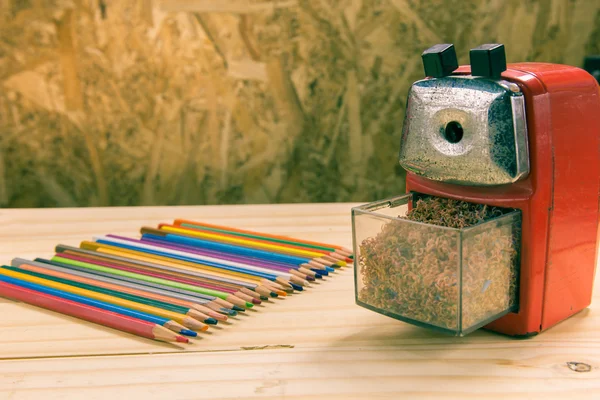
(167, 261)
(183, 319)
(247, 243)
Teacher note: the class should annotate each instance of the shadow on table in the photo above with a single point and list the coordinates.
(396, 334)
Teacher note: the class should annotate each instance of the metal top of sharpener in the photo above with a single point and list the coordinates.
(466, 130)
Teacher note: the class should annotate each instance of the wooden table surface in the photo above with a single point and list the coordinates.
(313, 345)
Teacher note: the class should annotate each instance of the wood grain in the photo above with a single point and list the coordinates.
(311, 345)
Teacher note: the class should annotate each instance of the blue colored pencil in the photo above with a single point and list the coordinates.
(229, 248)
(264, 275)
(100, 304)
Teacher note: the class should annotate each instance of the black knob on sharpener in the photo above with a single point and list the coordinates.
(439, 60)
(488, 60)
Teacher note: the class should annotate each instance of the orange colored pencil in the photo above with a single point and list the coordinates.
(119, 288)
(329, 256)
(279, 238)
(85, 312)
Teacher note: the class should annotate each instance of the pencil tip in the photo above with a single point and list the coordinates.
(310, 278)
(256, 301)
(211, 321)
(329, 269)
(273, 294)
(227, 311)
(182, 339)
(188, 332)
(249, 305)
(318, 276)
(264, 297)
(238, 308)
(296, 287)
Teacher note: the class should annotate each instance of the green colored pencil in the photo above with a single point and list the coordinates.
(145, 278)
(138, 299)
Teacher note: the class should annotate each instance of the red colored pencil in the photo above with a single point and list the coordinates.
(96, 315)
(276, 238)
(329, 256)
(233, 297)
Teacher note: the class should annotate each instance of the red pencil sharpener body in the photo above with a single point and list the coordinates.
(520, 136)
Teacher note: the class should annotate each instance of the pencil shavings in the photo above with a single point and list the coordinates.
(452, 279)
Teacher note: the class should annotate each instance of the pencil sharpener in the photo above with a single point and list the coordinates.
(520, 145)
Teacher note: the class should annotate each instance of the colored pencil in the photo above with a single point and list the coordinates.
(167, 276)
(169, 324)
(209, 261)
(88, 313)
(71, 281)
(131, 260)
(247, 243)
(153, 258)
(175, 278)
(150, 279)
(211, 301)
(220, 257)
(174, 242)
(208, 318)
(242, 291)
(220, 249)
(97, 258)
(304, 271)
(215, 268)
(188, 238)
(182, 255)
(194, 302)
(183, 319)
(275, 238)
(232, 295)
(148, 257)
(329, 253)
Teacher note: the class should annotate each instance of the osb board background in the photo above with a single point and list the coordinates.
(229, 101)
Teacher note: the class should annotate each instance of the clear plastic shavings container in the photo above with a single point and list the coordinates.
(448, 279)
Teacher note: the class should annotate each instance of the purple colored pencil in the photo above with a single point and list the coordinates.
(215, 253)
(211, 253)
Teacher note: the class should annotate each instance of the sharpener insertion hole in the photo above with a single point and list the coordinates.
(453, 132)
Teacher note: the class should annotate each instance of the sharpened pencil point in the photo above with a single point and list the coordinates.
(238, 308)
(296, 287)
(182, 339)
(228, 311)
(329, 269)
(273, 294)
(188, 332)
(256, 301)
(249, 305)
(310, 278)
(211, 321)
(318, 276)
(264, 298)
